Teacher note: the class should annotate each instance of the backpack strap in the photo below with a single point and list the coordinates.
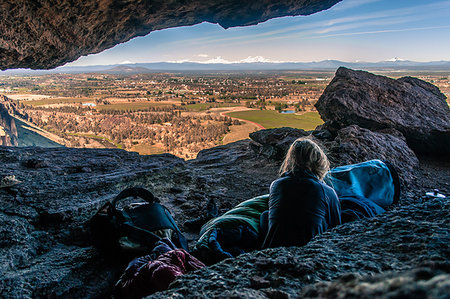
(144, 236)
(134, 192)
(180, 237)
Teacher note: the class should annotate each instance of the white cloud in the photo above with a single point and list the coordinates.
(380, 31)
(180, 61)
(127, 62)
(203, 55)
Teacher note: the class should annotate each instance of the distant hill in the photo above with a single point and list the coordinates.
(125, 69)
(325, 65)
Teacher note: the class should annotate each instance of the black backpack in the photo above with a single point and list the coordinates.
(130, 231)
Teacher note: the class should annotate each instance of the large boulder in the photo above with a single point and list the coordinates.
(412, 106)
(354, 144)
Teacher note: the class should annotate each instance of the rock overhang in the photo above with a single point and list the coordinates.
(45, 34)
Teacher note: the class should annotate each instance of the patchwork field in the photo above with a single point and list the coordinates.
(207, 106)
(155, 113)
(272, 119)
(239, 132)
(145, 149)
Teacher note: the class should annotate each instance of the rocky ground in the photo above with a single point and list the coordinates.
(46, 249)
(45, 244)
(412, 237)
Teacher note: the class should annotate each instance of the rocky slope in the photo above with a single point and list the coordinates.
(8, 129)
(45, 34)
(13, 129)
(46, 250)
(45, 244)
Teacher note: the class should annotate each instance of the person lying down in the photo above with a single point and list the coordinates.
(306, 200)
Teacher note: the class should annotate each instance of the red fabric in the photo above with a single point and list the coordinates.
(156, 275)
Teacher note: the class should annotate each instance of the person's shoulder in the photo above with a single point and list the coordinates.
(284, 181)
(295, 181)
(329, 191)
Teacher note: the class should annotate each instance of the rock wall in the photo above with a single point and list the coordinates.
(46, 34)
(8, 129)
(4, 137)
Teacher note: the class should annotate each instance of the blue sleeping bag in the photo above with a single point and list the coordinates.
(364, 189)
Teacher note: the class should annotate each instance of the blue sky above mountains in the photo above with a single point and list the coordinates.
(353, 30)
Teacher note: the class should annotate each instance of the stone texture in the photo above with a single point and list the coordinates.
(415, 108)
(45, 34)
(354, 145)
(421, 282)
(274, 143)
(8, 129)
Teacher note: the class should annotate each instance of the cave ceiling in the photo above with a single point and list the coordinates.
(44, 34)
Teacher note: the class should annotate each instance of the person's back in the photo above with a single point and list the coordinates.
(301, 206)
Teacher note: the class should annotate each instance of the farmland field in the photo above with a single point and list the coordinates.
(207, 106)
(145, 149)
(177, 113)
(272, 119)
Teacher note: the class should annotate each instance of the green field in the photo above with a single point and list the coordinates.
(272, 119)
(207, 106)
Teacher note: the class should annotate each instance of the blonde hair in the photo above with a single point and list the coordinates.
(305, 154)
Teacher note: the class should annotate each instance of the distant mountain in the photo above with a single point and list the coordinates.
(325, 65)
(125, 69)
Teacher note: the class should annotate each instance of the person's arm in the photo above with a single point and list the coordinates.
(276, 198)
(334, 210)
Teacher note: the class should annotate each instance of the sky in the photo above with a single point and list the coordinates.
(352, 30)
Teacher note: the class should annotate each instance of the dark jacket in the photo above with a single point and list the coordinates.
(300, 207)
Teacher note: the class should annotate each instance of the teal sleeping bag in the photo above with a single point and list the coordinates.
(364, 190)
(375, 181)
